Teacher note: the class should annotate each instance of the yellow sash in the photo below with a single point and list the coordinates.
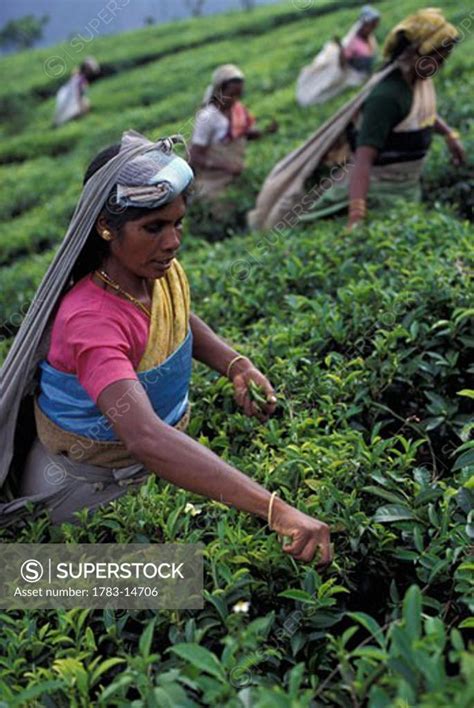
(169, 323)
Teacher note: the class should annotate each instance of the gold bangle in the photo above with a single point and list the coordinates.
(234, 360)
(358, 205)
(452, 135)
(270, 507)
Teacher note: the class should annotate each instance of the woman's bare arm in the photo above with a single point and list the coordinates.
(179, 459)
(453, 142)
(360, 181)
(213, 351)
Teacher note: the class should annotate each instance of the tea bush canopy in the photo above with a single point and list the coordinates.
(368, 341)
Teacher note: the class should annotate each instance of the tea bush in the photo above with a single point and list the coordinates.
(367, 436)
(368, 340)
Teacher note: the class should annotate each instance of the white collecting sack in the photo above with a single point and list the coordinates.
(70, 102)
(324, 78)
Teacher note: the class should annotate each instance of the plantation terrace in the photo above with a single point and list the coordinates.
(236, 322)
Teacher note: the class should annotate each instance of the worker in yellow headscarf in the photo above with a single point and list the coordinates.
(391, 135)
(399, 116)
(426, 31)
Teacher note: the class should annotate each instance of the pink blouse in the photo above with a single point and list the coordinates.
(98, 336)
(357, 47)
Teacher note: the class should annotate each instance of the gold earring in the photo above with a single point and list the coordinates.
(106, 235)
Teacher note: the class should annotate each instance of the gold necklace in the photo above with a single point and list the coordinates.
(102, 275)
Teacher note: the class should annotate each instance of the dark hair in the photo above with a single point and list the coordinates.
(96, 248)
(402, 42)
(91, 73)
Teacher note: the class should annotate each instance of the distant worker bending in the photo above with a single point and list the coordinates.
(71, 99)
(340, 64)
(222, 128)
(392, 134)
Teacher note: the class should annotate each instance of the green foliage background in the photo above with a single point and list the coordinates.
(368, 340)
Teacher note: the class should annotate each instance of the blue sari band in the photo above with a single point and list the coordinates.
(64, 400)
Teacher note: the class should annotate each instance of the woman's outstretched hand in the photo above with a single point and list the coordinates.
(309, 536)
(254, 392)
(182, 461)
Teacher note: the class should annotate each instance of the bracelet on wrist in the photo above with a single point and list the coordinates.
(452, 135)
(357, 207)
(270, 508)
(232, 362)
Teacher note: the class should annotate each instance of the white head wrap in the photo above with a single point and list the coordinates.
(368, 14)
(92, 64)
(154, 178)
(223, 73)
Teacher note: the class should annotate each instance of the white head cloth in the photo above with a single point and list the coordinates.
(368, 14)
(223, 73)
(92, 64)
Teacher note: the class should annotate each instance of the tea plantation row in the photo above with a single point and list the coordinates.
(369, 436)
(39, 194)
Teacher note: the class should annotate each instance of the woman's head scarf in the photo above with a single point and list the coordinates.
(223, 74)
(91, 64)
(425, 30)
(154, 178)
(368, 14)
(147, 174)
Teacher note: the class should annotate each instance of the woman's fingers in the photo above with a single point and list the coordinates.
(249, 406)
(271, 401)
(304, 549)
(325, 547)
(240, 391)
(269, 392)
(458, 154)
(308, 535)
(267, 387)
(265, 404)
(242, 398)
(296, 548)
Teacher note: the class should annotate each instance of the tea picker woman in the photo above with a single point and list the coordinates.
(221, 131)
(71, 99)
(110, 380)
(377, 142)
(341, 63)
(391, 136)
